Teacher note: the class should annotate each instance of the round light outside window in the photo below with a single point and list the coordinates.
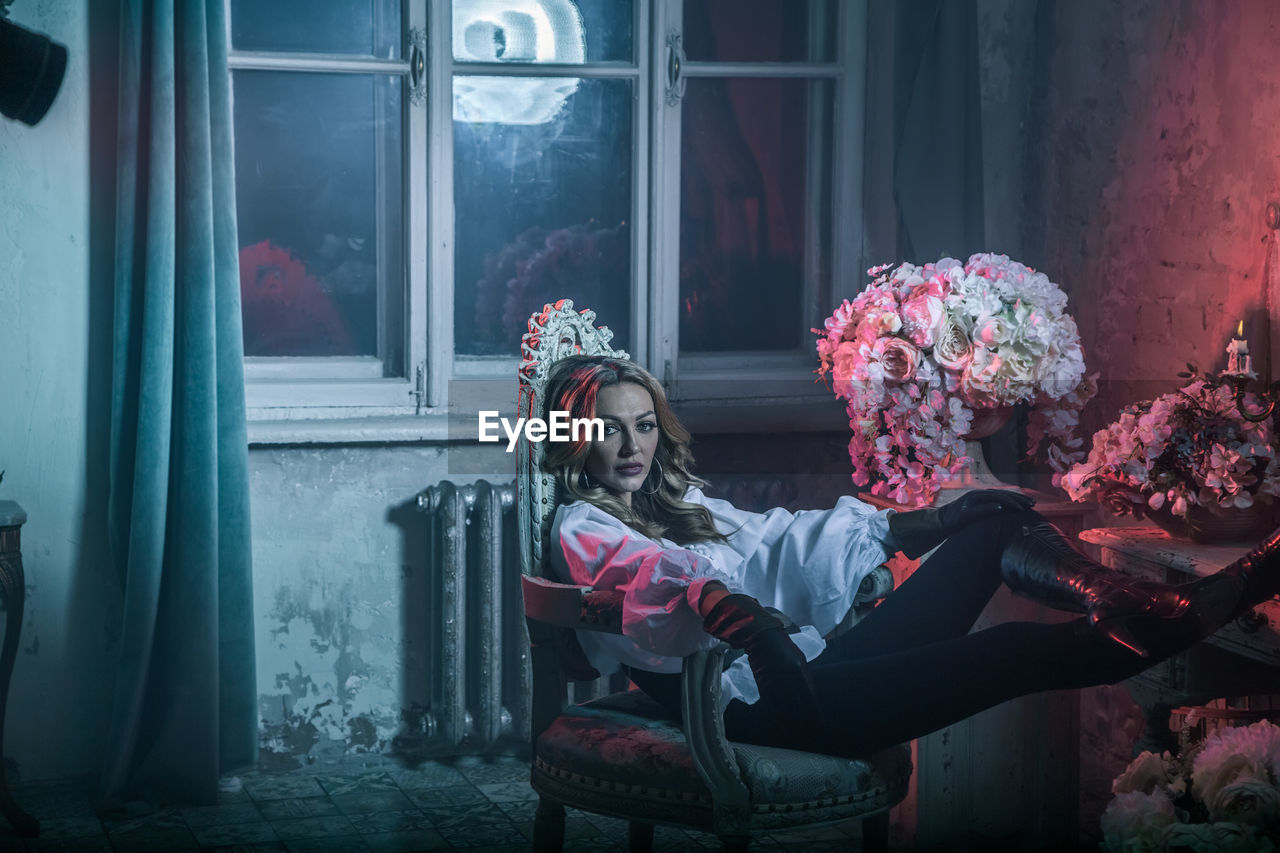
(517, 31)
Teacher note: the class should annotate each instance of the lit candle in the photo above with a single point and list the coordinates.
(1237, 349)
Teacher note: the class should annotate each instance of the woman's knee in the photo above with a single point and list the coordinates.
(986, 538)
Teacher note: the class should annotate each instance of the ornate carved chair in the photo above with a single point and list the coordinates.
(619, 755)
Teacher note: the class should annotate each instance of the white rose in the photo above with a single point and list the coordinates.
(979, 385)
(1145, 773)
(1247, 801)
(1020, 369)
(1220, 837)
(991, 330)
(953, 349)
(1210, 778)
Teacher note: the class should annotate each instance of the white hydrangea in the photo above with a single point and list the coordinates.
(1135, 822)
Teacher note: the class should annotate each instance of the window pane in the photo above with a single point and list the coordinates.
(755, 206)
(542, 30)
(542, 211)
(319, 201)
(760, 30)
(364, 27)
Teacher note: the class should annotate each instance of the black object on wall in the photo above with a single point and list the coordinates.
(31, 70)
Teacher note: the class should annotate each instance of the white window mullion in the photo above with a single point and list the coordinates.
(848, 231)
(640, 201)
(439, 246)
(663, 292)
(816, 181)
(416, 142)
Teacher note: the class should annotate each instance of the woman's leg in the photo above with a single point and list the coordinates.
(943, 597)
(871, 702)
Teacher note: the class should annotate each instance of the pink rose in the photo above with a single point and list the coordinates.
(897, 356)
(922, 319)
(846, 356)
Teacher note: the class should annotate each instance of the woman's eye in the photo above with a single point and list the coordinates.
(610, 429)
(646, 426)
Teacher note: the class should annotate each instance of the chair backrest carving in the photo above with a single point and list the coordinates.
(554, 332)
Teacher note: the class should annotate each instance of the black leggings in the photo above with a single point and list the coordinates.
(911, 666)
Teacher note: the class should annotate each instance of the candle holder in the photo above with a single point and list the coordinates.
(1239, 383)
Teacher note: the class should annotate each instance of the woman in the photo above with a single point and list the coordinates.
(696, 570)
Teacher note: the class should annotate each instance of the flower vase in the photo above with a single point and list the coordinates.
(977, 475)
(1215, 525)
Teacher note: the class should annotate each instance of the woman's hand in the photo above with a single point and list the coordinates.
(779, 667)
(917, 531)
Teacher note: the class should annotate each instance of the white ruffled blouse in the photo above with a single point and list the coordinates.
(807, 564)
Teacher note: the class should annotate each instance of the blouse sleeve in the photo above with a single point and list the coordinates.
(661, 585)
(808, 564)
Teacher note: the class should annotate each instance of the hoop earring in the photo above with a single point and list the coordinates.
(658, 484)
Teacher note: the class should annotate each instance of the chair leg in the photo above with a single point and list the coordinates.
(875, 833)
(639, 837)
(548, 826)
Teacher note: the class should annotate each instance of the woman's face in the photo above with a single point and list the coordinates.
(621, 462)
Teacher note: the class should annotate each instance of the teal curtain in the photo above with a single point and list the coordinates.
(184, 707)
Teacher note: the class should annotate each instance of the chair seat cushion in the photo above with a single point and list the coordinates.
(622, 755)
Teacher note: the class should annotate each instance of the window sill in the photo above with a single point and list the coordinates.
(403, 429)
(771, 416)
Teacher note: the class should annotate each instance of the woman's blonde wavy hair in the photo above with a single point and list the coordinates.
(657, 509)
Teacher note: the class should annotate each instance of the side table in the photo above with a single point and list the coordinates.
(1241, 659)
(13, 591)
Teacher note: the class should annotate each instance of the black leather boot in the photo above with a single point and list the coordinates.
(1259, 570)
(1213, 601)
(1040, 563)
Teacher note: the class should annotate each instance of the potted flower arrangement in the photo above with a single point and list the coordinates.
(1221, 795)
(1189, 460)
(923, 350)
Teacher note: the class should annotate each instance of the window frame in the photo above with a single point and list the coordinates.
(292, 389)
(289, 388)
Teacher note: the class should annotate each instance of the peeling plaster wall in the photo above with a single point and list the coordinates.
(340, 580)
(55, 326)
(1160, 138)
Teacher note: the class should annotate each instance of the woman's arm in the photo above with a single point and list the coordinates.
(807, 564)
(663, 587)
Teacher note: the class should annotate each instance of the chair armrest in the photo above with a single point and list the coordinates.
(713, 758)
(566, 605)
(875, 586)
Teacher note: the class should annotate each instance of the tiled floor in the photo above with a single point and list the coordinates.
(359, 803)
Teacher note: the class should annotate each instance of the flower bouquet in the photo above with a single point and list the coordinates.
(1179, 452)
(923, 348)
(1222, 795)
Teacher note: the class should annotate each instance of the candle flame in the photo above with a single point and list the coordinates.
(1240, 330)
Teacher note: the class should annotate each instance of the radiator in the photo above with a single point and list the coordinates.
(479, 682)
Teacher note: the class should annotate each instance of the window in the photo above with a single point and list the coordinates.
(414, 179)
